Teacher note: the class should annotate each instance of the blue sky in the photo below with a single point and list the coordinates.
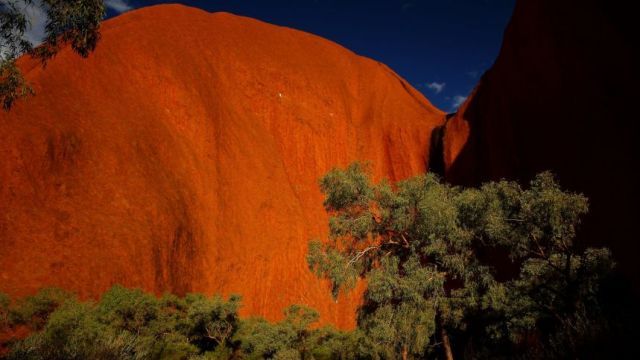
(441, 47)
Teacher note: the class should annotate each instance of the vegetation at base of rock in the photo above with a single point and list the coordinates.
(131, 324)
(482, 272)
(489, 272)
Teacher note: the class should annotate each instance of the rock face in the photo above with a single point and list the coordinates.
(560, 97)
(183, 155)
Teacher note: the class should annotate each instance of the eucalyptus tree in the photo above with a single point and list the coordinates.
(430, 253)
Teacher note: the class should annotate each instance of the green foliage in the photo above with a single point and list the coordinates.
(12, 84)
(153, 324)
(420, 245)
(556, 299)
(294, 338)
(124, 324)
(13, 24)
(72, 22)
(33, 311)
(398, 315)
(131, 324)
(72, 332)
(5, 301)
(211, 322)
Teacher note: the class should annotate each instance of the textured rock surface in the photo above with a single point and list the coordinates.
(183, 155)
(560, 97)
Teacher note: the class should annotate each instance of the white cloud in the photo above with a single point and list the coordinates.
(118, 5)
(458, 100)
(436, 87)
(37, 21)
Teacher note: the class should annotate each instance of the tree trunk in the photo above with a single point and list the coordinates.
(446, 344)
(405, 352)
(448, 354)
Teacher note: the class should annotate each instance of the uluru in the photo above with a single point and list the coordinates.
(182, 164)
(318, 180)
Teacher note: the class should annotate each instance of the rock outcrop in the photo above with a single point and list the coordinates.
(560, 97)
(183, 155)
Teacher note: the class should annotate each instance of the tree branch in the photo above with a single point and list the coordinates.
(362, 253)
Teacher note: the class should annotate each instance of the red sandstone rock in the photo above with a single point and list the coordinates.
(560, 97)
(183, 155)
